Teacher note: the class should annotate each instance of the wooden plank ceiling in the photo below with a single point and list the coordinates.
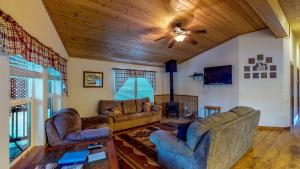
(125, 30)
(291, 8)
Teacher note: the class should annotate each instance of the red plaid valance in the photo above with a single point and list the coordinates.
(15, 40)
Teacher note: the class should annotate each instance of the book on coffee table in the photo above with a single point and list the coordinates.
(73, 157)
(77, 166)
(96, 156)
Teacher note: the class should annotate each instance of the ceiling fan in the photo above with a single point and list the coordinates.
(180, 34)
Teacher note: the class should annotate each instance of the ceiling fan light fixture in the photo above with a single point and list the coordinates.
(180, 38)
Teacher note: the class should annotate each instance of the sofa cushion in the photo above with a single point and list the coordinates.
(67, 121)
(89, 134)
(117, 111)
(129, 106)
(151, 113)
(140, 103)
(129, 117)
(105, 105)
(146, 107)
(198, 129)
(242, 110)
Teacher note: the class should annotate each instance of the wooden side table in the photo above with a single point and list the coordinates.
(209, 108)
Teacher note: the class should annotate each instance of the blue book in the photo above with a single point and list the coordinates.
(74, 157)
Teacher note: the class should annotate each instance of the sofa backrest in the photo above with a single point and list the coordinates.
(198, 129)
(106, 105)
(52, 135)
(222, 146)
(67, 121)
(125, 106)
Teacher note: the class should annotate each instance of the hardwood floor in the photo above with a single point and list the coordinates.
(272, 149)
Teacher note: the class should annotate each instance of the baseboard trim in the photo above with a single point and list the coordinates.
(272, 128)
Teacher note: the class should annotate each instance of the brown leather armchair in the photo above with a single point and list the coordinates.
(67, 127)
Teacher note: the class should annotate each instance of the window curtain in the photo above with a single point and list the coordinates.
(14, 40)
(121, 75)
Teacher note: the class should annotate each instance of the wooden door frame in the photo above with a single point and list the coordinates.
(292, 104)
(298, 92)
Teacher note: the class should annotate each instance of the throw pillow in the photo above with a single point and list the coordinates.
(139, 105)
(129, 106)
(116, 111)
(182, 130)
(146, 107)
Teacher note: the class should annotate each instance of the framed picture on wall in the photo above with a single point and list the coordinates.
(264, 75)
(247, 68)
(251, 60)
(255, 75)
(246, 75)
(273, 68)
(269, 60)
(92, 79)
(260, 57)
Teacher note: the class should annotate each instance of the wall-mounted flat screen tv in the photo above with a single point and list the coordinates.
(218, 75)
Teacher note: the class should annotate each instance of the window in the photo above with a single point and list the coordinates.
(23, 74)
(54, 91)
(132, 84)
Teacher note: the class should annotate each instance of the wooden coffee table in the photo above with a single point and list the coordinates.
(53, 155)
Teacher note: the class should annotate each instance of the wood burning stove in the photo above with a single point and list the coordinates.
(172, 107)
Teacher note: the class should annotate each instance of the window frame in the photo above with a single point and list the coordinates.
(30, 75)
(56, 93)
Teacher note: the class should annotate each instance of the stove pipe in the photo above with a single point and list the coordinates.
(171, 67)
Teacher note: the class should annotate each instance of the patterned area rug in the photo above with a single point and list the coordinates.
(134, 149)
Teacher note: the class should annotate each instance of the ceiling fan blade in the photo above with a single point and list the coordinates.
(198, 31)
(192, 41)
(163, 37)
(172, 43)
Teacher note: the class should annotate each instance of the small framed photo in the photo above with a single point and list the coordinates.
(254, 68)
(255, 75)
(264, 75)
(273, 75)
(260, 57)
(251, 61)
(246, 75)
(92, 79)
(269, 60)
(273, 68)
(247, 68)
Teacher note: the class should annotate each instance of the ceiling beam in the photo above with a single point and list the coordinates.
(271, 13)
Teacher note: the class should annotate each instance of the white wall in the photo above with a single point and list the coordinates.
(271, 96)
(85, 100)
(224, 95)
(267, 95)
(33, 17)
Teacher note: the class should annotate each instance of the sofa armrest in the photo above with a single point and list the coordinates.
(170, 143)
(111, 118)
(156, 108)
(90, 121)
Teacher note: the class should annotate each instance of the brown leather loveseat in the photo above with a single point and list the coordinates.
(127, 114)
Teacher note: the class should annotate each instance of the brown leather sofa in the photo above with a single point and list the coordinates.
(66, 127)
(129, 113)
